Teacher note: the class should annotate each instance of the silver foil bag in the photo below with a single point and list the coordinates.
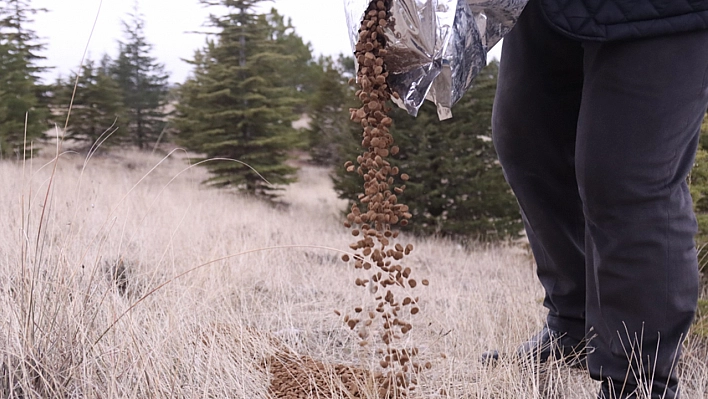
(435, 48)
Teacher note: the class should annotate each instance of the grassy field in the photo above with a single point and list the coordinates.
(91, 308)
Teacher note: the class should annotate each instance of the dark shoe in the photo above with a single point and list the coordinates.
(608, 390)
(618, 390)
(546, 344)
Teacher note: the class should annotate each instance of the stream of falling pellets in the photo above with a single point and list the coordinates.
(375, 213)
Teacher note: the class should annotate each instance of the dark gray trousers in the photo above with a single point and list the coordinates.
(596, 140)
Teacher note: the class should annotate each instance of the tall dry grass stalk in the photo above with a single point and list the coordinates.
(82, 318)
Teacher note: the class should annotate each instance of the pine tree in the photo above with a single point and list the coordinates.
(97, 108)
(21, 96)
(456, 185)
(143, 82)
(240, 104)
(302, 72)
(328, 112)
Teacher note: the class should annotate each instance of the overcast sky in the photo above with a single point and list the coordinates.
(66, 28)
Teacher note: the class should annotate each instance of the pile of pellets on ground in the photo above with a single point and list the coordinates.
(382, 326)
(296, 377)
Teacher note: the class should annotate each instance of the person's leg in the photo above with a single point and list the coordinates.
(534, 127)
(642, 106)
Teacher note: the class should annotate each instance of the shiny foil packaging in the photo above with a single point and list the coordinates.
(435, 48)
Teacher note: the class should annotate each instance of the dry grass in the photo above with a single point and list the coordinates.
(79, 257)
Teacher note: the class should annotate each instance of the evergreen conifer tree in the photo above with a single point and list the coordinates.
(240, 102)
(328, 112)
(97, 107)
(456, 185)
(143, 83)
(21, 96)
(302, 72)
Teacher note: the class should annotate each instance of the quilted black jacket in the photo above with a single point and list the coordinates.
(625, 19)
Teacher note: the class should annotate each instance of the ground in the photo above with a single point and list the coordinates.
(123, 276)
